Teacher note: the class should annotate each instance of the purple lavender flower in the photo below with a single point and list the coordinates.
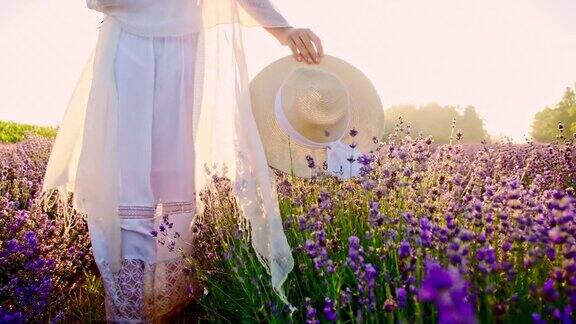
(346, 296)
(310, 248)
(354, 242)
(390, 305)
(310, 312)
(549, 292)
(367, 286)
(310, 161)
(404, 250)
(401, 296)
(537, 319)
(449, 292)
(329, 310)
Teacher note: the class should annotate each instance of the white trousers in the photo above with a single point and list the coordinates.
(155, 80)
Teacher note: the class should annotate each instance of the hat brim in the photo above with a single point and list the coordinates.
(290, 156)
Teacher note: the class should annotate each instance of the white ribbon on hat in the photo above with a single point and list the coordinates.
(337, 152)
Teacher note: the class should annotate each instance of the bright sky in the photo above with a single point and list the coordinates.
(507, 58)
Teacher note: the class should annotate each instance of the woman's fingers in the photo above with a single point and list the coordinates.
(300, 45)
(304, 44)
(317, 43)
(294, 49)
(305, 47)
(312, 52)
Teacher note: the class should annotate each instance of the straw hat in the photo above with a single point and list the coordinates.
(306, 111)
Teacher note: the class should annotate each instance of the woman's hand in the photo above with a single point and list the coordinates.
(305, 45)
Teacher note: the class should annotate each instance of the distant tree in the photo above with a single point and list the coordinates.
(472, 125)
(433, 119)
(545, 124)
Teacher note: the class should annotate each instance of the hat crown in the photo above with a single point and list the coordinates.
(316, 103)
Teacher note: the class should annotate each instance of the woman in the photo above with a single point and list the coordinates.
(164, 96)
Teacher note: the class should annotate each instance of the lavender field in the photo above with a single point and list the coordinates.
(429, 233)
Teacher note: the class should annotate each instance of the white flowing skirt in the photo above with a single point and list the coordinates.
(155, 80)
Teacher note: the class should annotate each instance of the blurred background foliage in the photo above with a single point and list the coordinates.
(11, 132)
(429, 119)
(546, 121)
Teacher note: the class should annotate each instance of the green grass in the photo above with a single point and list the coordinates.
(11, 132)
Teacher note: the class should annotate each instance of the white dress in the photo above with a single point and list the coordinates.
(155, 82)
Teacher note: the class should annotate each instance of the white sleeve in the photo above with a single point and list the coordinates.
(264, 12)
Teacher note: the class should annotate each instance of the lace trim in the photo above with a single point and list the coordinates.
(176, 207)
(142, 292)
(135, 212)
(142, 212)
